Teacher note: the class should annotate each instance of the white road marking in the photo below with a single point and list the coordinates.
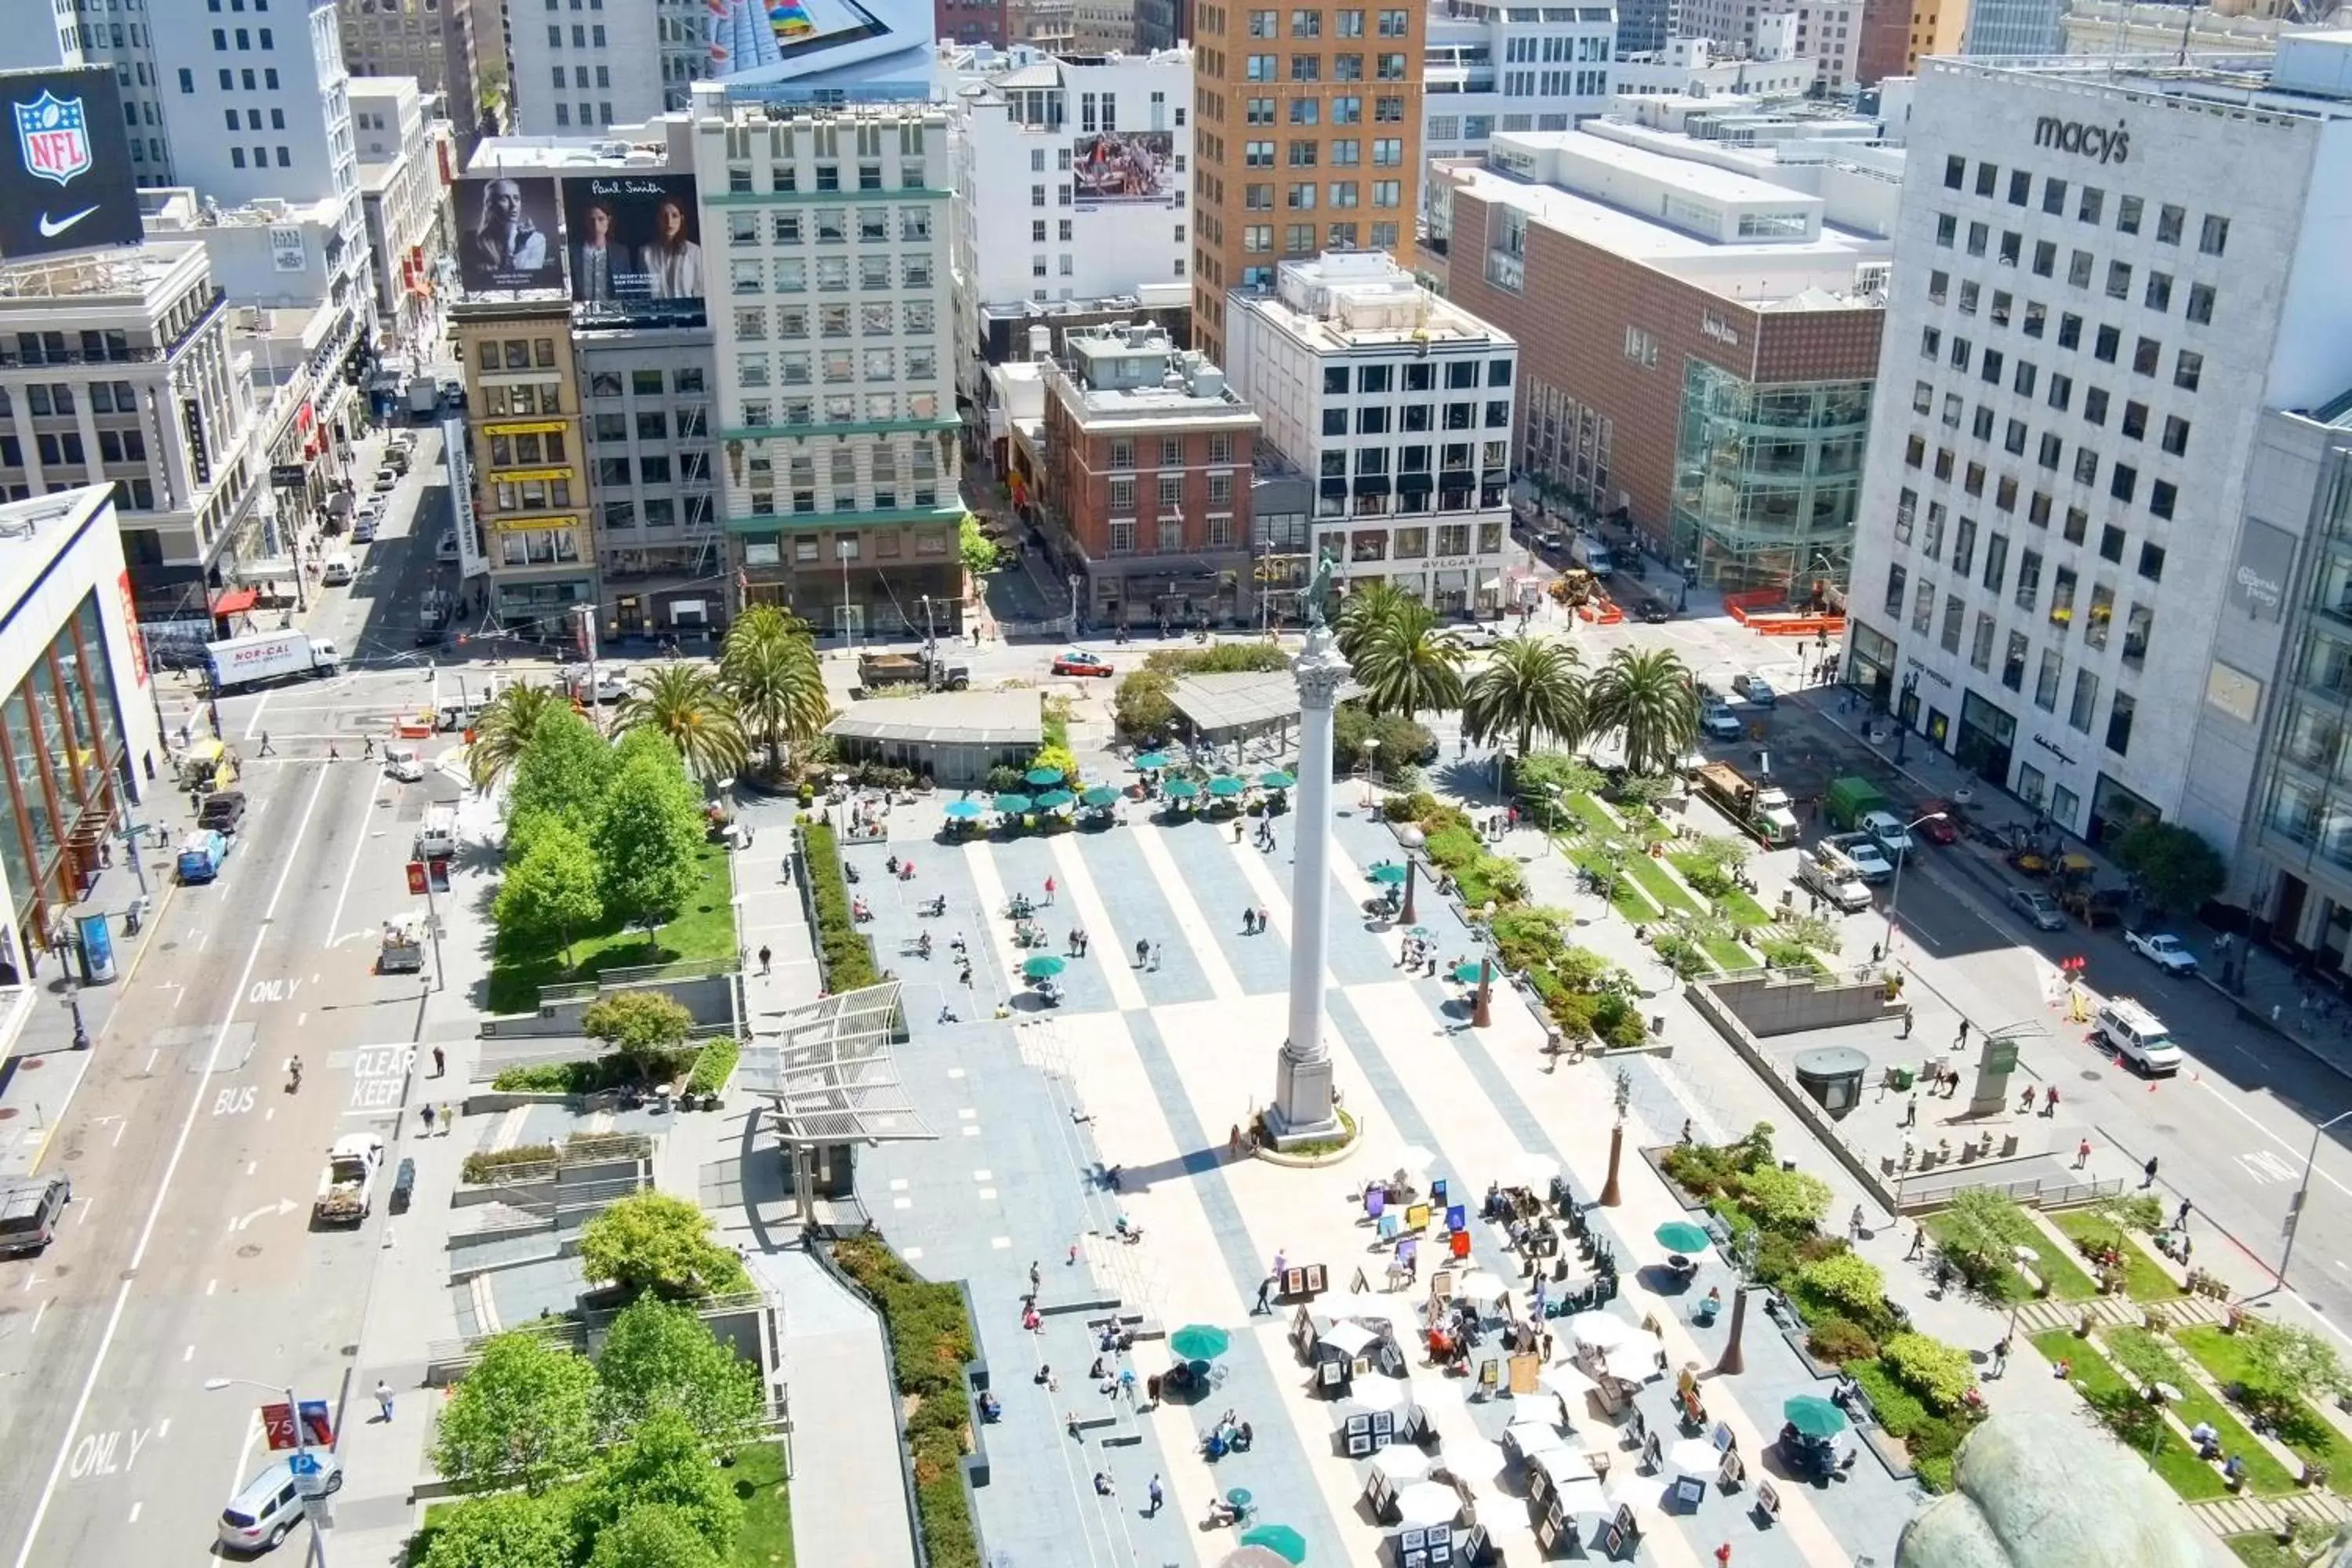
(187, 1355)
(210, 1286)
(150, 1059)
(251, 1166)
(2265, 1167)
(89, 1207)
(37, 1312)
(350, 866)
(118, 1126)
(163, 1188)
(2256, 1123)
(254, 723)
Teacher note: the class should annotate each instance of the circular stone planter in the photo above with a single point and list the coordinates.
(1355, 1140)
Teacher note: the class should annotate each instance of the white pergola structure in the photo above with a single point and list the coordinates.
(830, 1081)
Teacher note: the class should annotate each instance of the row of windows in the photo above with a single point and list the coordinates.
(842, 408)
(830, 225)
(686, 381)
(1300, 194)
(1418, 375)
(1388, 152)
(789, 275)
(872, 318)
(1453, 460)
(1171, 451)
(509, 401)
(784, 178)
(652, 424)
(229, 79)
(1419, 542)
(2122, 479)
(1169, 490)
(1298, 239)
(2156, 294)
(833, 367)
(260, 158)
(1168, 536)
(244, 41)
(653, 468)
(581, 38)
(43, 398)
(603, 115)
(66, 448)
(657, 512)
(1344, 24)
(1310, 67)
(2090, 206)
(2135, 422)
(1377, 419)
(516, 353)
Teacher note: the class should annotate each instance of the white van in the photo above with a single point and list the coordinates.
(438, 838)
(403, 763)
(2138, 1035)
(270, 1504)
(336, 570)
(1834, 880)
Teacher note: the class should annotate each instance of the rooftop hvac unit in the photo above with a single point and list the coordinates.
(1870, 278)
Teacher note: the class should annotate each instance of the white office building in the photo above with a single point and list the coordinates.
(834, 341)
(1493, 66)
(582, 71)
(1702, 70)
(1073, 176)
(1399, 406)
(2093, 305)
(1828, 31)
(257, 104)
(402, 209)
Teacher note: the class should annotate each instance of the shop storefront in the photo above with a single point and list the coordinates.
(1988, 740)
(1869, 664)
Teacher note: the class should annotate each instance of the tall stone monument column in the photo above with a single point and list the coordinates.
(1302, 1110)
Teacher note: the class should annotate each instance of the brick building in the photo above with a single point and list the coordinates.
(1147, 479)
(1705, 377)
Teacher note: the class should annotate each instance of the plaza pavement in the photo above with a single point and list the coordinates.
(1149, 1068)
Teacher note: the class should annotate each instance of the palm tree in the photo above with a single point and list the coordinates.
(686, 703)
(768, 666)
(1365, 607)
(1406, 663)
(1528, 687)
(504, 728)
(1647, 698)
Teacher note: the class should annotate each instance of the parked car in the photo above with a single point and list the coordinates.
(385, 478)
(1475, 634)
(1655, 612)
(2039, 908)
(30, 1211)
(222, 812)
(1754, 687)
(1719, 722)
(1868, 859)
(363, 528)
(270, 1505)
(1887, 831)
(1939, 823)
(2164, 950)
(1079, 661)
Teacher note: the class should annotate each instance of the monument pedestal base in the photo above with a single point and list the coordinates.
(1302, 1111)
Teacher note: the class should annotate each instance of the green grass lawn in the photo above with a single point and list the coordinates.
(765, 1540)
(2144, 1279)
(705, 928)
(2263, 1474)
(1734, 905)
(1729, 956)
(1663, 890)
(2261, 1552)
(2122, 1410)
(2067, 1282)
(1595, 816)
(1628, 899)
(2311, 1435)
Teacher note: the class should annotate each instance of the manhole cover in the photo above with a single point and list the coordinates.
(31, 1063)
(248, 1250)
(168, 946)
(2091, 1075)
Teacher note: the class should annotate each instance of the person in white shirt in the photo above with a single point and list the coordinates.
(672, 262)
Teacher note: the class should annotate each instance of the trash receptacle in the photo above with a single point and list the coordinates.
(1902, 1079)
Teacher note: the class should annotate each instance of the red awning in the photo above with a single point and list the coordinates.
(235, 601)
(302, 417)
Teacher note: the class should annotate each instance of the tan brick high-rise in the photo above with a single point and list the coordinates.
(1308, 139)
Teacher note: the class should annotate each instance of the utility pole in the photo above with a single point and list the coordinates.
(843, 549)
(587, 613)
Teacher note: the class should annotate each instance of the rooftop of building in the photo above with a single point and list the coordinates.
(1129, 371)
(984, 69)
(178, 210)
(34, 533)
(143, 272)
(1146, 297)
(1348, 299)
(2309, 78)
(522, 154)
(1504, 11)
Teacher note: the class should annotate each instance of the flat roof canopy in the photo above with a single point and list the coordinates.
(1243, 702)
(829, 1073)
(947, 719)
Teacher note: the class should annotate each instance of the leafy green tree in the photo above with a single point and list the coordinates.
(550, 891)
(1528, 689)
(649, 839)
(645, 1028)
(655, 1536)
(2176, 868)
(1145, 704)
(1850, 1282)
(664, 1466)
(2283, 1359)
(1539, 777)
(505, 728)
(686, 703)
(1407, 665)
(2147, 1359)
(978, 552)
(1646, 700)
(659, 1242)
(1367, 607)
(1975, 1233)
(558, 776)
(1784, 1200)
(501, 1530)
(524, 1416)
(767, 666)
(659, 1356)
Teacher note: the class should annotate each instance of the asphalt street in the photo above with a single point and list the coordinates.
(189, 1252)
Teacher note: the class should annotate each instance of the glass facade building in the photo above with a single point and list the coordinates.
(61, 749)
(1767, 476)
(2306, 807)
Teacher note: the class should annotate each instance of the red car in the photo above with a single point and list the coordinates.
(1943, 829)
(1078, 661)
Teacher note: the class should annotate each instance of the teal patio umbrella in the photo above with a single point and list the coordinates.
(1225, 785)
(1151, 762)
(1015, 805)
(1045, 778)
(1277, 780)
(964, 810)
(1199, 1341)
(1055, 799)
(1681, 1236)
(1180, 789)
(1045, 967)
(1467, 973)
(1813, 1417)
(1391, 874)
(1100, 797)
(1280, 1540)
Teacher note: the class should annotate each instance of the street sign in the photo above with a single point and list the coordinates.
(416, 879)
(303, 1464)
(318, 1426)
(278, 1425)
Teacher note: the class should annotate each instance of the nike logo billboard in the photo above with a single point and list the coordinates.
(51, 230)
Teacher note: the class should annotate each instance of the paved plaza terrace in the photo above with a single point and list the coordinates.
(1149, 1068)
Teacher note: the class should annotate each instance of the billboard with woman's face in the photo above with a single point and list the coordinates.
(508, 233)
(636, 242)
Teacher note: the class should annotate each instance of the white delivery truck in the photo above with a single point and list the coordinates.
(1588, 552)
(269, 655)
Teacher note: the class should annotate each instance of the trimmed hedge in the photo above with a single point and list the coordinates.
(713, 1065)
(564, 1078)
(482, 1164)
(930, 1341)
(847, 956)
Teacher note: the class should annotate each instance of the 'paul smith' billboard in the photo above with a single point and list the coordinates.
(637, 244)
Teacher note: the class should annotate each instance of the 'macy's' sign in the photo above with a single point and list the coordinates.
(2107, 146)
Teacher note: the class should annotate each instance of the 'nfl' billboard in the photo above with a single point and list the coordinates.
(66, 183)
(637, 244)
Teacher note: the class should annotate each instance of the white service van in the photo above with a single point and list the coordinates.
(438, 839)
(336, 570)
(2138, 1035)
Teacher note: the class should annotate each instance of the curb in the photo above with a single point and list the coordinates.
(146, 941)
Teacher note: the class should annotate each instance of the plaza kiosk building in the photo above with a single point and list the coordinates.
(2092, 307)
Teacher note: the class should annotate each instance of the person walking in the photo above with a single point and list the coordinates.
(267, 748)
(1049, 892)
(1264, 1293)
(1142, 952)
(1249, 922)
(1919, 1242)
(2180, 1219)
(2083, 1155)
(2001, 1356)
(440, 1062)
(1962, 1043)
(765, 956)
(2148, 1177)
(429, 1118)
(1260, 922)
(383, 1398)
(1155, 955)
(1037, 1279)
(2050, 1101)
(1854, 1224)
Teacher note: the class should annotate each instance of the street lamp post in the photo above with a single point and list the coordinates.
(1894, 892)
(1902, 720)
(2302, 1192)
(317, 1553)
(842, 550)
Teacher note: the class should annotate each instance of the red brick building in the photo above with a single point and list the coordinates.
(1146, 488)
(971, 22)
(1697, 381)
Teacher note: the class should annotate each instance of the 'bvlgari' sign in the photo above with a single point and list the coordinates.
(2107, 146)
(1714, 326)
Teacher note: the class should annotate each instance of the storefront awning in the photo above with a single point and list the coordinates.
(1416, 484)
(235, 601)
(1371, 484)
(1335, 487)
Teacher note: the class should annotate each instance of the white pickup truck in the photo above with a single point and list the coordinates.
(347, 1183)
